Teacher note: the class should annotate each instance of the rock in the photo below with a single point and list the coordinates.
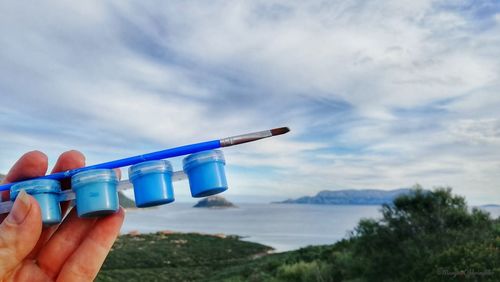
(167, 232)
(134, 233)
(214, 202)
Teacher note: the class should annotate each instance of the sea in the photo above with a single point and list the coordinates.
(284, 227)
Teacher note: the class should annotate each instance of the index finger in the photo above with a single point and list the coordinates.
(66, 161)
(30, 165)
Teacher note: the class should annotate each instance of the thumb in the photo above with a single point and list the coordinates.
(19, 232)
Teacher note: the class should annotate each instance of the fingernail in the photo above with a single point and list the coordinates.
(20, 209)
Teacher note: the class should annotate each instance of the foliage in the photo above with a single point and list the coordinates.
(174, 257)
(422, 236)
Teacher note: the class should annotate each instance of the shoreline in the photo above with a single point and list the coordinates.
(176, 256)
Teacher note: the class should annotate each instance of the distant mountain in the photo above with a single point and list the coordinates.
(2, 176)
(125, 201)
(350, 197)
(214, 202)
(489, 206)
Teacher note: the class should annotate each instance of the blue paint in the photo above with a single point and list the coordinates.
(96, 193)
(152, 182)
(46, 192)
(206, 173)
(164, 154)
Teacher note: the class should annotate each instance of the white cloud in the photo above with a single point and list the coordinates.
(377, 95)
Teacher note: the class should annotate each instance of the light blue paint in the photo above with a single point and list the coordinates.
(46, 192)
(163, 154)
(206, 173)
(96, 193)
(152, 182)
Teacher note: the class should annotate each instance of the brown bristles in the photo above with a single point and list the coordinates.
(250, 137)
(279, 131)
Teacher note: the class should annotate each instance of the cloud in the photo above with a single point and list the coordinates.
(377, 95)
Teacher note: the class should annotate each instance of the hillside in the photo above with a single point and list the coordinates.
(125, 201)
(422, 236)
(166, 256)
(214, 202)
(405, 244)
(350, 197)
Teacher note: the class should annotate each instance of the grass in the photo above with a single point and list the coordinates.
(175, 257)
(197, 257)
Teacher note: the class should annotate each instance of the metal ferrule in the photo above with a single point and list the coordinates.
(239, 139)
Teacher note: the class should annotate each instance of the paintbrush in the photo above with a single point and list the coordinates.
(168, 153)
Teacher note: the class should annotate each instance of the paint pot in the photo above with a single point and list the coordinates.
(152, 182)
(46, 192)
(96, 193)
(206, 174)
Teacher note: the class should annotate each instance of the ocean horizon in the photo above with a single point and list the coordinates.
(284, 227)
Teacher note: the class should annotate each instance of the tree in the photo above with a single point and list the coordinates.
(426, 235)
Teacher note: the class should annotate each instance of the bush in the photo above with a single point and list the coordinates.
(305, 271)
(423, 235)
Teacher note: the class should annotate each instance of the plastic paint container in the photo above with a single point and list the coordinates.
(96, 193)
(206, 173)
(152, 182)
(46, 192)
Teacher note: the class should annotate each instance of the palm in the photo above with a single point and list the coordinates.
(75, 250)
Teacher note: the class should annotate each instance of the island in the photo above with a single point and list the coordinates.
(350, 197)
(214, 202)
(489, 206)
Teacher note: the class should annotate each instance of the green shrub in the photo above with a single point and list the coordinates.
(314, 271)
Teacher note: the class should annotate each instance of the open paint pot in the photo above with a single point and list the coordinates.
(152, 182)
(95, 191)
(46, 193)
(206, 173)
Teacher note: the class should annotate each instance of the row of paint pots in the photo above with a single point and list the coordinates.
(96, 190)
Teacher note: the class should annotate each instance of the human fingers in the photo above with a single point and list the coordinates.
(30, 165)
(66, 161)
(19, 232)
(118, 173)
(63, 243)
(87, 259)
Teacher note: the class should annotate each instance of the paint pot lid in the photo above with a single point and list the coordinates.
(156, 166)
(93, 175)
(35, 186)
(203, 157)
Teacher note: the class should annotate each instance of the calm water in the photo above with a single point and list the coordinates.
(283, 227)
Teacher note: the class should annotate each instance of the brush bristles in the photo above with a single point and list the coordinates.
(279, 131)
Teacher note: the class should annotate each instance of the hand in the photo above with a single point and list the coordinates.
(72, 251)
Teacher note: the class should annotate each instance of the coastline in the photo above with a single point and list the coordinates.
(172, 256)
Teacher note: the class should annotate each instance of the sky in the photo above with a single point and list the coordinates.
(377, 94)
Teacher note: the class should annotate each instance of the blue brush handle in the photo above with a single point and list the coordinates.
(164, 154)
